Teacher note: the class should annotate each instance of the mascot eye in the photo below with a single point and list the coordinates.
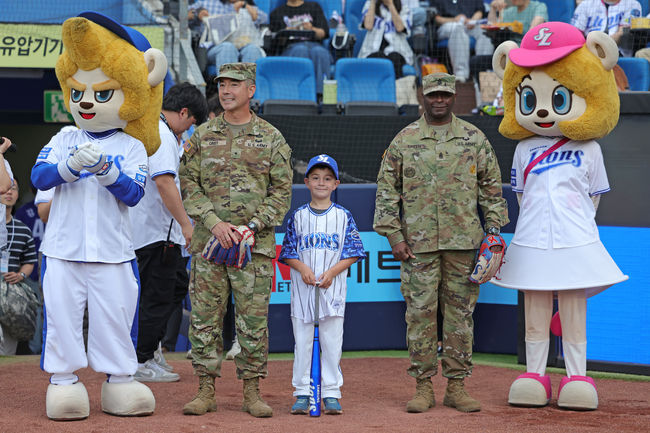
(527, 100)
(76, 95)
(561, 100)
(103, 96)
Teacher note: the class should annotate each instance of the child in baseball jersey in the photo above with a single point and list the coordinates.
(321, 243)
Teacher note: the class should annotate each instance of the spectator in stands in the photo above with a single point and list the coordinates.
(246, 48)
(28, 214)
(529, 13)
(609, 16)
(305, 15)
(387, 25)
(457, 21)
(22, 258)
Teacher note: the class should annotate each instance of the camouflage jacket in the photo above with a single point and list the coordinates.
(434, 180)
(236, 180)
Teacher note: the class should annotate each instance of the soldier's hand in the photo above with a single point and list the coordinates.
(402, 252)
(225, 234)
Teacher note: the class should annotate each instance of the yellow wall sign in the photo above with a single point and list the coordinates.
(40, 45)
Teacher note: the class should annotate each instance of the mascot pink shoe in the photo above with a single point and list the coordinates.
(577, 393)
(530, 390)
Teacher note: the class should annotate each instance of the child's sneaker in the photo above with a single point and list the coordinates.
(301, 406)
(332, 406)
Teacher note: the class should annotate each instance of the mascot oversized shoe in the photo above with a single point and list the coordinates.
(577, 393)
(67, 402)
(530, 390)
(127, 399)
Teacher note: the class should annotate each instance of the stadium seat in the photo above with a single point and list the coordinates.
(560, 10)
(329, 6)
(286, 85)
(352, 19)
(274, 4)
(264, 5)
(368, 83)
(637, 72)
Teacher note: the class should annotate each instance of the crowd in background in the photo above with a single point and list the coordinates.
(459, 36)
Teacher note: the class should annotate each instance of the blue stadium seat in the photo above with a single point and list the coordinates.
(264, 5)
(285, 78)
(637, 72)
(560, 10)
(290, 80)
(644, 7)
(365, 80)
(366, 86)
(329, 6)
(274, 4)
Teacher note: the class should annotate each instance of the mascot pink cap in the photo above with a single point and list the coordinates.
(546, 43)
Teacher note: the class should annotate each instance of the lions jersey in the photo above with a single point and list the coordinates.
(89, 222)
(320, 240)
(152, 222)
(556, 210)
(591, 15)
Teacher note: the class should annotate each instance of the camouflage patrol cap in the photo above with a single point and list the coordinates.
(237, 71)
(439, 82)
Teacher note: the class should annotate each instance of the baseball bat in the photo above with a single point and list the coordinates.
(314, 380)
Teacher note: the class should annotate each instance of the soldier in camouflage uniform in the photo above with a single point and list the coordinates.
(432, 176)
(236, 171)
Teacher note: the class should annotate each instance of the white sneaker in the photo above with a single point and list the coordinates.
(150, 371)
(188, 355)
(161, 361)
(234, 350)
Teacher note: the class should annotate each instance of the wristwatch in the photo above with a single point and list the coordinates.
(494, 231)
(22, 274)
(251, 225)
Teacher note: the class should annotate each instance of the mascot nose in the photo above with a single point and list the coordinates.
(86, 105)
(540, 113)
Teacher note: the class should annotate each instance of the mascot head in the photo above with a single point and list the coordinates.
(111, 78)
(558, 84)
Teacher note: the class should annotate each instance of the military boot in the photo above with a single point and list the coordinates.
(204, 400)
(457, 397)
(253, 403)
(424, 398)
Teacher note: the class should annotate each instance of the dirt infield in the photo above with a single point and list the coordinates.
(374, 397)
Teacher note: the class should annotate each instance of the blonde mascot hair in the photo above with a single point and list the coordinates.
(585, 71)
(89, 46)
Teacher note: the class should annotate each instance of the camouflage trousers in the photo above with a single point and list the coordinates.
(210, 287)
(429, 279)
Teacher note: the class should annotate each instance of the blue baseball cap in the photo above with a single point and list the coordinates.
(323, 159)
(130, 35)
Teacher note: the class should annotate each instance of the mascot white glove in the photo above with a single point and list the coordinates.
(91, 157)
